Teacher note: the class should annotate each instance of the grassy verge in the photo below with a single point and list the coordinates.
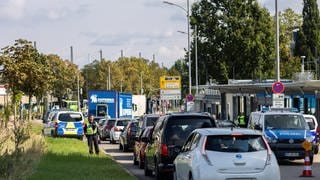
(69, 159)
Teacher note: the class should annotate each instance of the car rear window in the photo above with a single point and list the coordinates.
(151, 121)
(179, 128)
(70, 117)
(122, 122)
(229, 143)
(111, 122)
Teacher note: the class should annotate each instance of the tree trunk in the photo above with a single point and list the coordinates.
(29, 108)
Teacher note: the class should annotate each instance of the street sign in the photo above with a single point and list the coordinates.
(277, 87)
(278, 100)
(170, 96)
(189, 97)
(3, 90)
(307, 145)
(170, 82)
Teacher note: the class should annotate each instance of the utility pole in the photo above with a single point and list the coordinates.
(71, 54)
(140, 55)
(121, 53)
(277, 43)
(196, 58)
(109, 78)
(100, 52)
(35, 44)
(153, 57)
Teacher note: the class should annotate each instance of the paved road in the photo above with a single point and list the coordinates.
(290, 170)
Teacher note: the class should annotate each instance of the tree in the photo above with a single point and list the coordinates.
(308, 41)
(25, 70)
(236, 39)
(289, 21)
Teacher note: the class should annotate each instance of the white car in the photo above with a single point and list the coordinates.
(226, 153)
(117, 129)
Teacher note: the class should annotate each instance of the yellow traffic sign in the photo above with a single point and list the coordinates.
(306, 145)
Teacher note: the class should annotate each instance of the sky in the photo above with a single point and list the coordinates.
(145, 27)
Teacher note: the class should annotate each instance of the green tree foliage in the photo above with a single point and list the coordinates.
(125, 75)
(25, 70)
(65, 77)
(308, 40)
(236, 39)
(289, 21)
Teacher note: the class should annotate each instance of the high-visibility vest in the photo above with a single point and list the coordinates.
(241, 120)
(90, 130)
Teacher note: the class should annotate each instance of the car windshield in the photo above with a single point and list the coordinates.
(179, 129)
(285, 121)
(151, 120)
(232, 144)
(70, 117)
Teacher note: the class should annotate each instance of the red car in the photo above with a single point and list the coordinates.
(140, 145)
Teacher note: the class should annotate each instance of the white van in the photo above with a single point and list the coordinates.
(313, 125)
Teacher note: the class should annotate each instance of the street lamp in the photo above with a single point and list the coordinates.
(188, 21)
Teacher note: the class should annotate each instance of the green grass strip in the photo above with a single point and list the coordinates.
(67, 158)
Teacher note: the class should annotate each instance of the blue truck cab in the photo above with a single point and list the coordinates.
(285, 132)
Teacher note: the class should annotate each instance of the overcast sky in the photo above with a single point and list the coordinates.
(145, 26)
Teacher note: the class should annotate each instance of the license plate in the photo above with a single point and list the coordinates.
(291, 154)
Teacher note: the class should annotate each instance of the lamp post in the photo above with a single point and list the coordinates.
(302, 64)
(277, 43)
(188, 21)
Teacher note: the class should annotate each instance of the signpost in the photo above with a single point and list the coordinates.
(278, 96)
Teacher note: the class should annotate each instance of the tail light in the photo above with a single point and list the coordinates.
(204, 152)
(116, 129)
(269, 152)
(129, 130)
(318, 132)
(164, 150)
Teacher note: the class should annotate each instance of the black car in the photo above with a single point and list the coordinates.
(169, 134)
(128, 136)
(147, 120)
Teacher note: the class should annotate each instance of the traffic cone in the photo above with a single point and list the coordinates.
(307, 172)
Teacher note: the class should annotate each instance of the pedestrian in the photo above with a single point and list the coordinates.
(91, 132)
(241, 120)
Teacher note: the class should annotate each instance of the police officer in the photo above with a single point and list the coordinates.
(91, 130)
(241, 120)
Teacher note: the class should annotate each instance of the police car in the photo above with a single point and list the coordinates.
(65, 124)
(285, 131)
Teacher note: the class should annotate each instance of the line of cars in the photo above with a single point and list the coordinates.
(188, 145)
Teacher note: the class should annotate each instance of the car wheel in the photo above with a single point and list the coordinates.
(135, 162)
(190, 176)
(147, 172)
(158, 174)
(316, 149)
(120, 146)
(124, 148)
(141, 164)
(311, 159)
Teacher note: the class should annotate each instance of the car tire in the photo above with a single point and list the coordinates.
(120, 146)
(124, 148)
(147, 172)
(135, 162)
(190, 176)
(141, 164)
(159, 175)
(316, 149)
(311, 160)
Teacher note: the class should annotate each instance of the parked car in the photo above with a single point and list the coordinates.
(65, 124)
(128, 135)
(117, 128)
(140, 146)
(106, 128)
(169, 134)
(227, 153)
(313, 125)
(147, 120)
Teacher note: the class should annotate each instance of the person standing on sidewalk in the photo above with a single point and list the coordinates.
(91, 130)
